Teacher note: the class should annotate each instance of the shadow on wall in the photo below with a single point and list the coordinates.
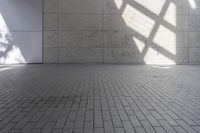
(159, 29)
(20, 36)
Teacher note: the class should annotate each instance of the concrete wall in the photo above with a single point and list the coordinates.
(20, 31)
(122, 31)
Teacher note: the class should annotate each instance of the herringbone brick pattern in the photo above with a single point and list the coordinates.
(99, 99)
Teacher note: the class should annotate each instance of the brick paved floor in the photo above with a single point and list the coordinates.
(99, 99)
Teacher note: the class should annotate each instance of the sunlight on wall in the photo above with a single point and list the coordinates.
(118, 3)
(4, 33)
(143, 3)
(154, 6)
(3, 25)
(137, 21)
(13, 56)
(140, 45)
(166, 39)
(154, 57)
(170, 15)
(192, 4)
(9, 52)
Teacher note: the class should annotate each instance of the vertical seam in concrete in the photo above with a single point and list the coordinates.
(42, 31)
(188, 34)
(57, 38)
(103, 49)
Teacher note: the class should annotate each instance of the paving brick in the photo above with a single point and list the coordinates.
(123, 116)
(88, 127)
(89, 115)
(160, 130)
(49, 127)
(99, 98)
(197, 128)
(42, 122)
(119, 130)
(22, 123)
(139, 130)
(98, 130)
(98, 121)
(129, 111)
(14, 131)
(135, 122)
(156, 115)
(140, 115)
(186, 126)
(28, 127)
(166, 126)
(179, 129)
(57, 131)
(108, 127)
(152, 120)
(106, 115)
(36, 131)
(147, 126)
(79, 123)
(128, 127)
(78, 130)
(116, 121)
(7, 128)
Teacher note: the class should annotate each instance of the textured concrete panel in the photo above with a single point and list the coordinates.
(78, 55)
(80, 6)
(170, 41)
(157, 55)
(80, 22)
(114, 22)
(50, 55)
(182, 56)
(175, 23)
(120, 39)
(182, 7)
(194, 39)
(81, 39)
(194, 23)
(122, 55)
(112, 7)
(194, 55)
(194, 7)
(138, 31)
(50, 38)
(50, 22)
(50, 6)
(182, 39)
(139, 23)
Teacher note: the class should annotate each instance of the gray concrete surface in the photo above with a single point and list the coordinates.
(122, 31)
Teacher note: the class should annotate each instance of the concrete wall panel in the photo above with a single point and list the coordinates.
(122, 31)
